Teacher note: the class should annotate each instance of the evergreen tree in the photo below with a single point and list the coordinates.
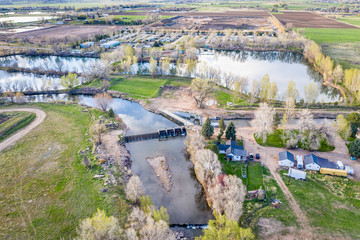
(221, 133)
(230, 131)
(207, 129)
(354, 148)
(222, 125)
(111, 113)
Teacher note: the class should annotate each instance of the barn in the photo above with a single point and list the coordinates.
(286, 159)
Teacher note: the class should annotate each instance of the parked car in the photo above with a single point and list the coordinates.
(257, 156)
(251, 156)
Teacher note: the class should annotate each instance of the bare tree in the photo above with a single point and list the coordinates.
(103, 100)
(228, 79)
(90, 227)
(134, 189)
(263, 122)
(202, 88)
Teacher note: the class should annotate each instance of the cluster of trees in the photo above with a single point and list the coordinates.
(225, 193)
(224, 228)
(350, 78)
(348, 127)
(144, 222)
(234, 40)
(207, 130)
(306, 134)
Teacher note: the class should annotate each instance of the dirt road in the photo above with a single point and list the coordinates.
(40, 117)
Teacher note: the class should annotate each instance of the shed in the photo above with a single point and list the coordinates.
(286, 159)
(311, 162)
(297, 174)
(299, 161)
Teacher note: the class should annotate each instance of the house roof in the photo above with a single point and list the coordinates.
(322, 162)
(239, 152)
(286, 155)
(223, 147)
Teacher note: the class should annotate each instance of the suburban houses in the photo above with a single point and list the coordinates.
(312, 162)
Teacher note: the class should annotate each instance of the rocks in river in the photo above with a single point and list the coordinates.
(161, 169)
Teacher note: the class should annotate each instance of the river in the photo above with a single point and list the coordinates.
(186, 201)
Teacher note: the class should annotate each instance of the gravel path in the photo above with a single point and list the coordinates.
(10, 141)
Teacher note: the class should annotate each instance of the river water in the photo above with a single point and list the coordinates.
(186, 201)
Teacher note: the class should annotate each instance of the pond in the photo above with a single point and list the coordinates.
(186, 201)
(281, 67)
(18, 81)
(24, 19)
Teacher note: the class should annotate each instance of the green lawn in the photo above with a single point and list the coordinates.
(333, 35)
(255, 176)
(144, 87)
(354, 20)
(140, 87)
(223, 96)
(45, 189)
(332, 204)
(275, 140)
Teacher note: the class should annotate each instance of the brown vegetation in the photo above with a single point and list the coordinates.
(310, 20)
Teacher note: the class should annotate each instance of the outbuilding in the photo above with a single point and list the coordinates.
(286, 159)
(311, 162)
(297, 174)
(87, 44)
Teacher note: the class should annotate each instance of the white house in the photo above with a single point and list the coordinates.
(286, 159)
(297, 174)
(311, 162)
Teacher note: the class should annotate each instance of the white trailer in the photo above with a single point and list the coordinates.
(300, 161)
(297, 174)
(340, 164)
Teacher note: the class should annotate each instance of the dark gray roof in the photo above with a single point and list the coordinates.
(286, 155)
(322, 162)
(239, 152)
(223, 147)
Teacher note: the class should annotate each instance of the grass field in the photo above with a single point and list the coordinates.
(332, 204)
(223, 96)
(333, 35)
(353, 20)
(45, 189)
(146, 87)
(275, 140)
(342, 45)
(14, 121)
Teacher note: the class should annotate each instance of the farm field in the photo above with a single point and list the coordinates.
(45, 187)
(310, 20)
(354, 20)
(342, 45)
(11, 122)
(332, 204)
